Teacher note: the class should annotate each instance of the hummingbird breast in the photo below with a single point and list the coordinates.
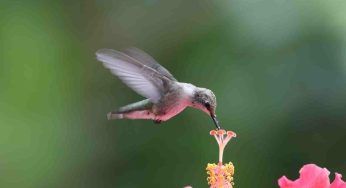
(174, 101)
(171, 111)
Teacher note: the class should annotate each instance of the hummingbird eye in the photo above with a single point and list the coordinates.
(207, 105)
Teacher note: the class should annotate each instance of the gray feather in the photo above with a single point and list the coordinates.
(140, 105)
(143, 79)
(146, 59)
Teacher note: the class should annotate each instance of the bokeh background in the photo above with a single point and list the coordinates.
(277, 68)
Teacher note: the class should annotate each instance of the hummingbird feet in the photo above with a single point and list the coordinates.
(157, 121)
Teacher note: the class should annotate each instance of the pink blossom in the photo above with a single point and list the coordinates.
(312, 176)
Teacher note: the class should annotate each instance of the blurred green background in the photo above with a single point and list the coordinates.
(277, 68)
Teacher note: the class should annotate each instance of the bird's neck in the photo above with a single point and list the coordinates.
(188, 91)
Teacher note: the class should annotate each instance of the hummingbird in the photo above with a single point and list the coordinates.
(165, 96)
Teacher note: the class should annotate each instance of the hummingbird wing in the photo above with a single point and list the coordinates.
(146, 59)
(143, 79)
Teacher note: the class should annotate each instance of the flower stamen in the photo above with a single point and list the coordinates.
(222, 137)
(221, 175)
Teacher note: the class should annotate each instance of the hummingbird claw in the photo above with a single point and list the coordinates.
(157, 121)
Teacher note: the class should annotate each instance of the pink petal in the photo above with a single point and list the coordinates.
(338, 183)
(285, 183)
(311, 176)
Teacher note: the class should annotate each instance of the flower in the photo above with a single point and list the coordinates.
(221, 175)
(312, 176)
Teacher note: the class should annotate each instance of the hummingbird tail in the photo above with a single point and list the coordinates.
(140, 114)
(114, 115)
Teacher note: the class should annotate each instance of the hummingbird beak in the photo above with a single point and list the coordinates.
(216, 122)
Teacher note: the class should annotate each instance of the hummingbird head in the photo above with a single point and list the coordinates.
(205, 100)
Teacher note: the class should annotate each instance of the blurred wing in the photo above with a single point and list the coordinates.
(139, 77)
(146, 59)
